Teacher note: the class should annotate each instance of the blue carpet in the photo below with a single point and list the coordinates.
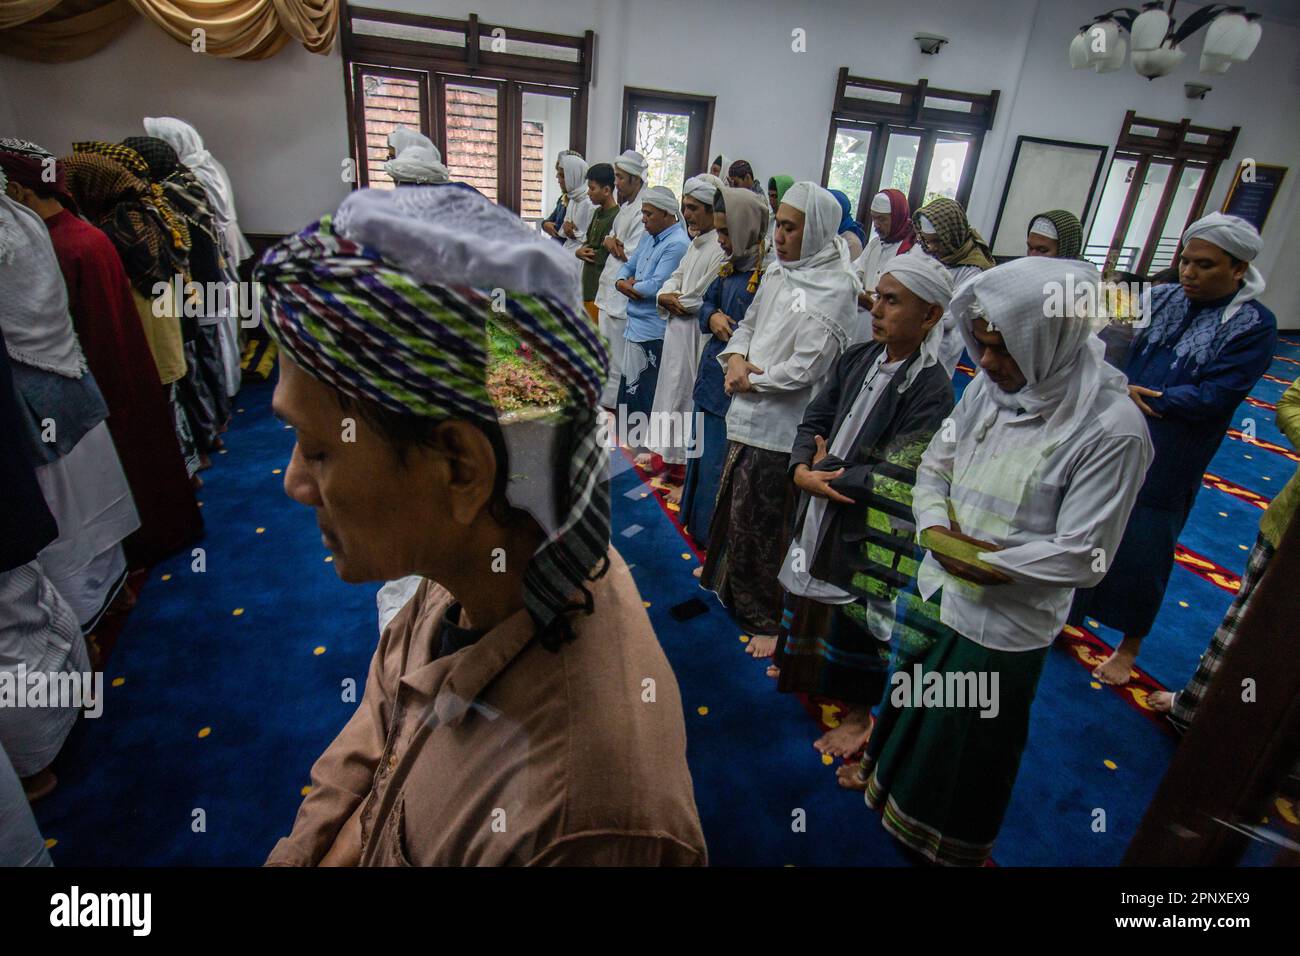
(226, 684)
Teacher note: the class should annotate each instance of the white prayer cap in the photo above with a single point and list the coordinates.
(702, 188)
(661, 197)
(1232, 234)
(403, 138)
(924, 275)
(927, 226)
(1044, 227)
(632, 163)
(880, 203)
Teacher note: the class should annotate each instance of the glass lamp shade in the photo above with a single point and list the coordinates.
(1226, 33)
(1161, 62)
(1102, 40)
(1149, 29)
(1079, 51)
(1241, 53)
(1115, 60)
(1214, 64)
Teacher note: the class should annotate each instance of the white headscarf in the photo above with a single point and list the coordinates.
(33, 297)
(417, 159)
(703, 188)
(574, 168)
(1062, 360)
(822, 272)
(632, 163)
(930, 281)
(185, 139)
(1238, 238)
(726, 165)
(661, 197)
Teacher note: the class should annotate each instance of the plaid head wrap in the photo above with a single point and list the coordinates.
(114, 200)
(403, 298)
(184, 192)
(134, 163)
(1069, 232)
(29, 168)
(964, 245)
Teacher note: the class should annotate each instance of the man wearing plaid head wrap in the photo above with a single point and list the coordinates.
(117, 352)
(443, 382)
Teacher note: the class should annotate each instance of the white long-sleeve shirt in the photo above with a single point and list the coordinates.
(1061, 534)
(795, 350)
(628, 228)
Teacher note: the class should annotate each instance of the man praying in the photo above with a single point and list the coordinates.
(640, 280)
(592, 252)
(465, 447)
(1014, 502)
(1207, 342)
(622, 241)
(796, 328)
(865, 431)
(680, 298)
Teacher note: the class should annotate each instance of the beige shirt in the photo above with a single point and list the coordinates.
(505, 753)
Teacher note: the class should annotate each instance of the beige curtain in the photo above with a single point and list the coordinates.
(51, 31)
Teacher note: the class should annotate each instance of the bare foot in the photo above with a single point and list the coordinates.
(643, 460)
(1118, 668)
(762, 645)
(675, 495)
(849, 776)
(1161, 701)
(698, 572)
(849, 737)
(205, 462)
(773, 671)
(40, 784)
(197, 482)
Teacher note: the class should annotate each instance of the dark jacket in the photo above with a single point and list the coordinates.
(889, 446)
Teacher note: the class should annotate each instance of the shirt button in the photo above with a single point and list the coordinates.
(392, 761)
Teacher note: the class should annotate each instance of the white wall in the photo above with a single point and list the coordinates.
(279, 125)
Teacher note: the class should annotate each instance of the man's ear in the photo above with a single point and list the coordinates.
(932, 317)
(467, 469)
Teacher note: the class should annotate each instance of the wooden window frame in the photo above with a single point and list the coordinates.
(910, 117)
(439, 63)
(1168, 143)
(637, 98)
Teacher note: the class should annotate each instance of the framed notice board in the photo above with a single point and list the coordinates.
(1044, 174)
(1252, 200)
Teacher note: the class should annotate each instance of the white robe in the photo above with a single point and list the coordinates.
(579, 211)
(38, 634)
(91, 501)
(628, 228)
(950, 351)
(683, 343)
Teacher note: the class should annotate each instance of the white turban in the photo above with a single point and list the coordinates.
(1237, 238)
(703, 188)
(880, 204)
(632, 163)
(928, 278)
(930, 281)
(403, 138)
(417, 159)
(1044, 227)
(661, 197)
(1232, 234)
